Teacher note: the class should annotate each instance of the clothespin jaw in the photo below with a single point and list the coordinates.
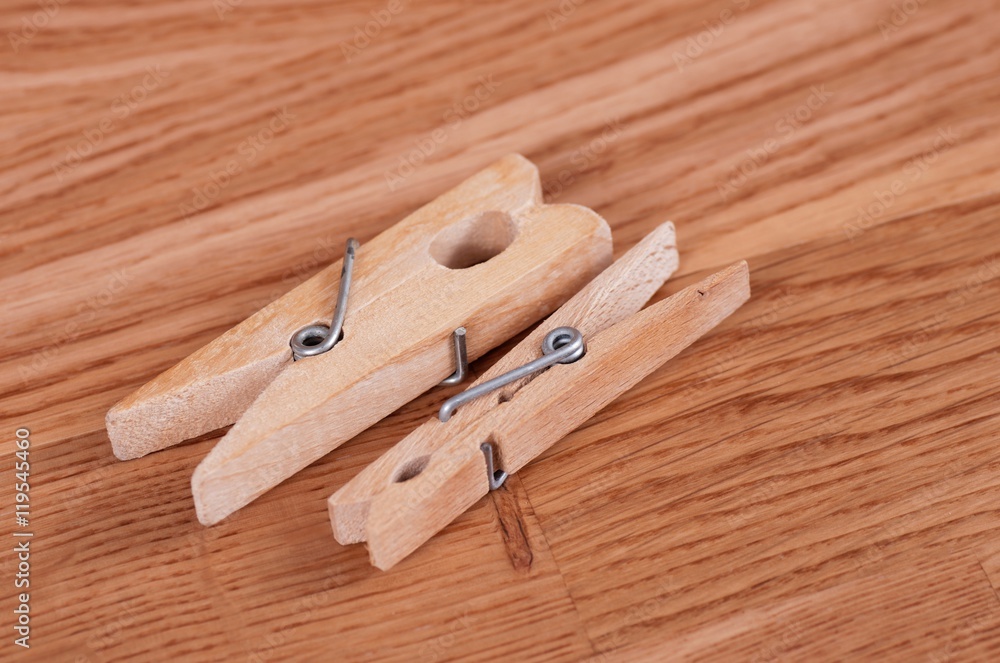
(412, 508)
(439, 470)
(619, 291)
(488, 256)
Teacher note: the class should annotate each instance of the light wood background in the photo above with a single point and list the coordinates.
(815, 480)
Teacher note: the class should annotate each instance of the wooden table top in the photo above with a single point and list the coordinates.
(816, 479)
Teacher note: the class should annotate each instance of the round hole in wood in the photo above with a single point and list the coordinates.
(473, 240)
(411, 469)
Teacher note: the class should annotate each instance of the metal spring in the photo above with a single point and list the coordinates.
(562, 345)
(314, 340)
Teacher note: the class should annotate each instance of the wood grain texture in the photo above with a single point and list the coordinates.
(404, 514)
(816, 478)
(414, 281)
(619, 291)
(487, 256)
(400, 346)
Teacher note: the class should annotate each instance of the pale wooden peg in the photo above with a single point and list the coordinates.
(618, 292)
(431, 489)
(488, 255)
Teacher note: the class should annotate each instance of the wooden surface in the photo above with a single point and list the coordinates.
(555, 404)
(406, 301)
(440, 463)
(817, 479)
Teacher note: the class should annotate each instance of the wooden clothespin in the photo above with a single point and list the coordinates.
(488, 256)
(447, 464)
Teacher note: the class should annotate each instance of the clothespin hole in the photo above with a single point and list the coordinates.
(473, 240)
(561, 340)
(312, 341)
(411, 469)
(315, 336)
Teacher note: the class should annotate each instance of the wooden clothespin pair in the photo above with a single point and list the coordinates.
(453, 280)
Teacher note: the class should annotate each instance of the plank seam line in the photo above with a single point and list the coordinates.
(562, 577)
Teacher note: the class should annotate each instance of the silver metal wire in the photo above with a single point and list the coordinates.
(314, 340)
(562, 345)
(496, 477)
(461, 359)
